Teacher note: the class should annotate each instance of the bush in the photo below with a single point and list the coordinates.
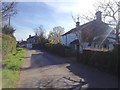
(103, 60)
(8, 45)
(57, 49)
(8, 30)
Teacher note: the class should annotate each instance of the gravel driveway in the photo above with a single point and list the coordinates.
(43, 70)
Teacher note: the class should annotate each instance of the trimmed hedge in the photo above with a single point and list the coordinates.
(57, 49)
(8, 45)
(103, 60)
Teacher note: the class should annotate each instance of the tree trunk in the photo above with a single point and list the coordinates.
(117, 32)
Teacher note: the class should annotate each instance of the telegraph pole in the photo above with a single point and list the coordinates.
(9, 20)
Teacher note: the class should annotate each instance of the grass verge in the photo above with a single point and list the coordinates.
(11, 68)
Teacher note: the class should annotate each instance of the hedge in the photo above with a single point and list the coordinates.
(8, 45)
(103, 60)
(58, 49)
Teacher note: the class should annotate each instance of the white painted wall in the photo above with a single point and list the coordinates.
(63, 40)
(70, 37)
(29, 45)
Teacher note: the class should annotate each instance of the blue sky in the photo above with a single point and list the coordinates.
(32, 14)
(49, 14)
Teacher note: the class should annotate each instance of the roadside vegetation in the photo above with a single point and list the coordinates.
(11, 57)
(8, 45)
(11, 68)
(103, 60)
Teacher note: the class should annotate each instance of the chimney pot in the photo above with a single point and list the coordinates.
(77, 24)
(98, 15)
(29, 36)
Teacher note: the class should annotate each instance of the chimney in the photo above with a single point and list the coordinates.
(29, 36)
(77, 24)
(98, 15)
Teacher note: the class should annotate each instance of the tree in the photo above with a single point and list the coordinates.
(109, 9)
(55, 35)
(40, 33)
(8, 10)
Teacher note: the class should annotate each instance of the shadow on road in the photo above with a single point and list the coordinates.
(93, 77)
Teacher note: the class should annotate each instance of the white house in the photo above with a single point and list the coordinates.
(94, 34)
(31, 40)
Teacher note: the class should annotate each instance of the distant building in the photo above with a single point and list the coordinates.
(21, 43)
(94, 34)
(31, 40)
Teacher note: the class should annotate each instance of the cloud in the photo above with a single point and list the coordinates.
(22, 32)
(74, 6)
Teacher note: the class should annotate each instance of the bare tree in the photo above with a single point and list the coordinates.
(8, 9)
(109, 9)
(55, 35)
(40, 33)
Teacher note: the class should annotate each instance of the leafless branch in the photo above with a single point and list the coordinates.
(8, 9)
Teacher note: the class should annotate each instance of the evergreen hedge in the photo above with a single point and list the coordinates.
(103, 60)
(58, 49)
(8, 45)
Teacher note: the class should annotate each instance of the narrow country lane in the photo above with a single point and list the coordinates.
(43, 70)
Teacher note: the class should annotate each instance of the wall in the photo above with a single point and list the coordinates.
(70, 37)
(29, 45)
(67, 39)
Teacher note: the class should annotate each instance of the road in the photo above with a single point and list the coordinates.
(44, 70)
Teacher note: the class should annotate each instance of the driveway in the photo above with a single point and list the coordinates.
(44, 70)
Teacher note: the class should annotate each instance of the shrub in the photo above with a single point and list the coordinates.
(57, 49)
(8, 30)
(8, 45)
(103, 60)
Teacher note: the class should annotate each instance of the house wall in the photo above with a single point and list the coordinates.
(29, 45)
(67, 39)
(63, 40)
(31, 40)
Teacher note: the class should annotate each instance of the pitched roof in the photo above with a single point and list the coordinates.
(72, 30)
(92, 29)
(32, 37)
(95, 24)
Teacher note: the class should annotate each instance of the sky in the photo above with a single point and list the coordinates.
(49, 13)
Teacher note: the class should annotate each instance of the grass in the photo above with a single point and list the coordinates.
(11, 68)
(0, 79)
